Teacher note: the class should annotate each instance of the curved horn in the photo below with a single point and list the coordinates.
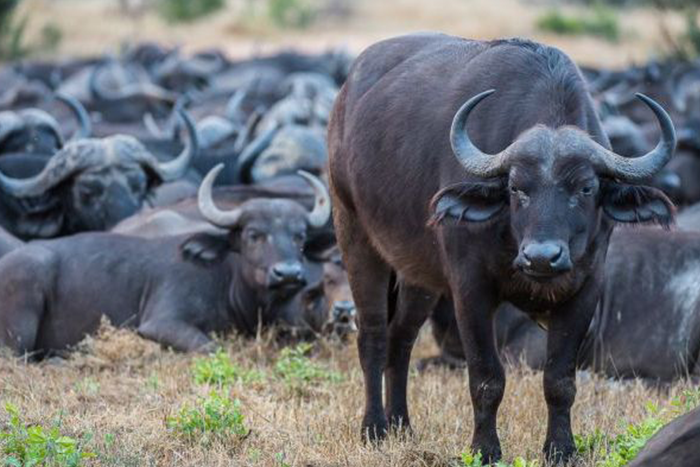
(639, 168)
(81, 115)
(321, 213)
(252, 151)
(208, 209)
(96, 92)
(177, 167)
(472, 159)
(61, 165)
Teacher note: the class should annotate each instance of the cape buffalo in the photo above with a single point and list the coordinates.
(173, 290)
(417, 200)
(90, 184)
(651, 276)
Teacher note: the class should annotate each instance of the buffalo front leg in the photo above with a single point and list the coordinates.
(369, 281)
(412, 309)
(179, 335)
(568, 326)
(474, 310)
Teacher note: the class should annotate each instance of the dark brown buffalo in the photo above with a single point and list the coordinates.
(174, 290)
(676, 445)
(651, 277)
(415, 198)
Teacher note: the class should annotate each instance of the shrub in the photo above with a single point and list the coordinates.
(182, 11)
(218, 369)
(292, 13)
(31, 446)
(213, 417)
(296, 370)
(602, 22)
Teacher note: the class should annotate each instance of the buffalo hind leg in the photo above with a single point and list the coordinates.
(413, 306)
(26, 278)
(369, 279)
(568, 326)
(475, 310)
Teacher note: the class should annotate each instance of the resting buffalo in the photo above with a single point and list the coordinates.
(173, 290)
(90, 184)
(416, 199)
(676, 445)
(651, 276)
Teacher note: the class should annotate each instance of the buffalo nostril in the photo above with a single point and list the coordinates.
(343, 311)
(557, 256)
(286, 273)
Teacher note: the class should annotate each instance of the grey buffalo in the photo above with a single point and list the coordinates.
(174, 290)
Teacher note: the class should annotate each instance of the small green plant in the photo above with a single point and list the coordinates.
(292, 13)
(218, 369)
(29, 446)
(470, 459)
(296, 369)
(183, 11)
(601, 22)
(213, 417)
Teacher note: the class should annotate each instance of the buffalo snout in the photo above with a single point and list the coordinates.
(286, 274)
(544, 259)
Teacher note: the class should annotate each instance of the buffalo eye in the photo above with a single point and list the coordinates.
(89, 192)
(256, 236)
(299, 238)
(587, 190)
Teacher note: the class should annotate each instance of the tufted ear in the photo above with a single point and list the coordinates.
(469, 202)
(206, 249)
(637, 204)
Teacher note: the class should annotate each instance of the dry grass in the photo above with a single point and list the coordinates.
(120, 389)
(91, 27)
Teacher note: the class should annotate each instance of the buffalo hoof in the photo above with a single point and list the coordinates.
(374, 432)
(400, 425)
(559, 453)
(490, 452)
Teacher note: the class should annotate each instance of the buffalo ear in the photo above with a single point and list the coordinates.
(206, 249)
(637, 204)
(469, 203)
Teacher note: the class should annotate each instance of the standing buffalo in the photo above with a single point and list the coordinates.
(417, 200)
(90, 184)
(174, 290)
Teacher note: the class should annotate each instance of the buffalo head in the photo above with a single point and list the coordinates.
(556, 185)
(35, 131)
(92, 184)
(267, 234)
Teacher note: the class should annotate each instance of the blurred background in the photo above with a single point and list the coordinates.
(609, 33)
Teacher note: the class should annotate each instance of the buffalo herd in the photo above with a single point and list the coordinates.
(531, 210)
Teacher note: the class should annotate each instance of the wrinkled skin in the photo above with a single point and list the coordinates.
(174, 290)
(676, 445)
(536, 235)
